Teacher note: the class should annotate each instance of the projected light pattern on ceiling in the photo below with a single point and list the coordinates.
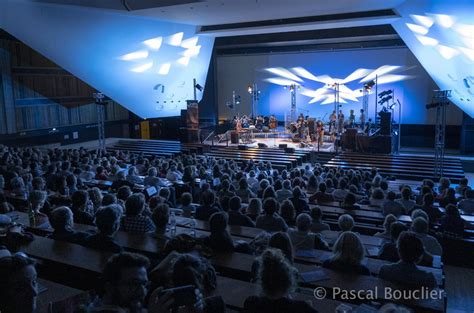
(440, 34)
(326, 93)
(181, 52)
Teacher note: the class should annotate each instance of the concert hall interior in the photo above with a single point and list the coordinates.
(209, 156)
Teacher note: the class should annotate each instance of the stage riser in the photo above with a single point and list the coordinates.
(396, 165)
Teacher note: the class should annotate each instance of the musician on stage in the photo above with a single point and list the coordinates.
(340, 124)
(320, 131)
(332, 121)
(273, 122)
(300, 119)
(362, 119)
(351, 118)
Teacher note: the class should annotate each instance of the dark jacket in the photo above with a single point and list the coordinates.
(204, 212)
(237, 218)
(102, 242)
(69, 235)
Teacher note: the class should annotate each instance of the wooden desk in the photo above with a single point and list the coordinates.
(54, 293)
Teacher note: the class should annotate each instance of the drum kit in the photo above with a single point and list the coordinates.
(245, 126)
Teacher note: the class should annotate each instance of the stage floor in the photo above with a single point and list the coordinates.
(272, 140)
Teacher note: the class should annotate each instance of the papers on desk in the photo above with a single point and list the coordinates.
(314, 276)
(305, 253)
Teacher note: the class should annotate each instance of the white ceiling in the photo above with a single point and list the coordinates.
(213, 12)
(210, 12)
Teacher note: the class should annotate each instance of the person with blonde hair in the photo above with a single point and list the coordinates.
(348, 253)
(277, 279)
(389, 220)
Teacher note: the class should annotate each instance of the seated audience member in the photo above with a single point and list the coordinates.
(420, 227)
(302, 239)
(160, 217)
(433, 212)
(152, 179)
(5, 206)
(341, 192)
(321, 196)
(192, 270)
(173, 174)
(349, 202)
(452, 225)
(318, 225)
(386, 234)
(345, 222)
(220, 239)
(448, 198)
(165, 194)
(133, 176)
(134, 221)
(125, 286)
(225, 190)
(107, 220)
(285, 192)
(244, 191)
(87, 174)
(186, 204)
(208, 206)
(348, 253)
(100, 173)
(71, 182)
(444, 184)
(300, 203)
(270, 221)
(419, 213)
(62, 221)
(269, 192)
(389, 250)
(277, 279)
(463, 185)
(82, 208)
(236, 217)
(406, 200)
(37, 199)
(121, 180)
(377, 197)
(410, 249)
(287, 212)
(254, 209)
(18, 284)
(390, 206)
(108, 199)
(95, 195)
(467, 204)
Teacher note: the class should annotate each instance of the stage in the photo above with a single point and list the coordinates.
(271, 139)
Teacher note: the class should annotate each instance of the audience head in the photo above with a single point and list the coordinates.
(276, 276)
(396, 229)
(303, 222)
(160, 216)
(348, 249)
(254, 207)
(125, 280)
(109, 198)
(281, 240)
(287, 210)
(18, 284)
(316, 213)
(452, 211)
(218, 222)
(391, 196)
(377, 194)
(410, 248)
(346, 222)
(420, 225)
(192, 270)
(235, 204)
(135, 204)
(389, 220)
(406, 193)
(61, 218)
(322, 187)
(37, 199)
(123, 193)
(419, 213)
(107, 219)
(270, 206)
(186, 199)
(350, 199)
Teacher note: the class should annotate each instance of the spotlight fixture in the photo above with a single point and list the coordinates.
(199, 87)
(250, 89)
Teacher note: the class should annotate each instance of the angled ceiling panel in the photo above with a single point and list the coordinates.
(440, 33)
(148, 66)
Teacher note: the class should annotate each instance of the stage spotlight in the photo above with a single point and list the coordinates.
(369, 85)
(250, 89)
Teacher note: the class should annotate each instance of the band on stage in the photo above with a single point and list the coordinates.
(305, 128)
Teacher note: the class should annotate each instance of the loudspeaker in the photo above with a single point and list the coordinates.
(385, 123)
(290, 150)
(242, 147)
(234, 137)
(262, 145)
(282, 146)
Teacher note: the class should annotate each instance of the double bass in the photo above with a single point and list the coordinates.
(273, 124)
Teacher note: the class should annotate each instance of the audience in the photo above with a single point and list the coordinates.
(410, 249)
(467, 204)
(420, 227)
(277, 279)
(390, 206)
(317, 224)
(345, 222)
(254, 209)
(62, 221)
(160, 217)
(107, 220)
(452, 225)
(220, 239)
(236, 217)
(270, 221)
(389, 250)
(348, 253)
(386, 234)
(134, 220)
(302, 239)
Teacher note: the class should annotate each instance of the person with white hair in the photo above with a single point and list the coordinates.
(345, 222)
(62, 221)
(133, 176)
